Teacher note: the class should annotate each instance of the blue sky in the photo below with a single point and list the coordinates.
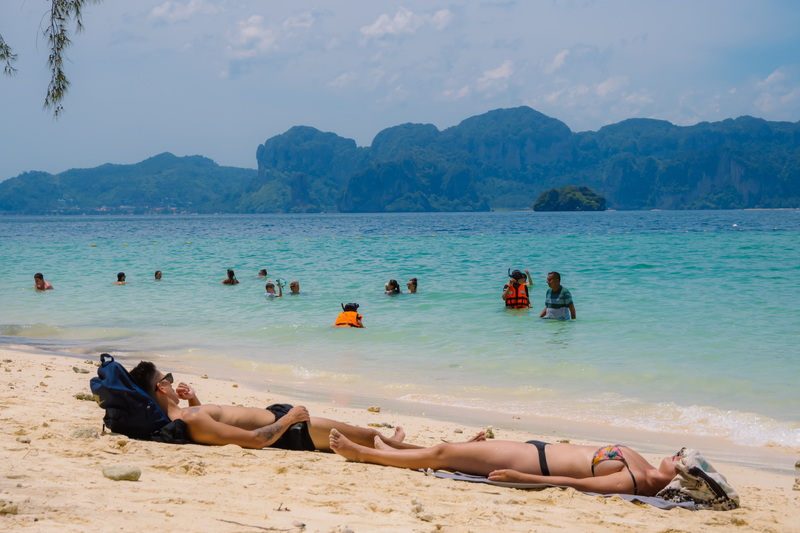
(219, 77)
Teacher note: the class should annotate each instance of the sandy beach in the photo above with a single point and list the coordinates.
(53, 450)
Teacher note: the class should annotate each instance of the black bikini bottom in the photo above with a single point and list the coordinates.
(542, 457)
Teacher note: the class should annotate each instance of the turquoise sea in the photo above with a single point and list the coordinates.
(687, 321)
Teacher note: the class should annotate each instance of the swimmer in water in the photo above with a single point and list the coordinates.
(231, 279)
(270, 288)
(120, 278)
(392, 287)
(40, 284)
(412, 285)
(349, 317)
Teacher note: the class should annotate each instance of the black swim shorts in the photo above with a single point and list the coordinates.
(296, 437)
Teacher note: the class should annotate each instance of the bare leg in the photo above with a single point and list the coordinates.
(474, 457)
(320, 428)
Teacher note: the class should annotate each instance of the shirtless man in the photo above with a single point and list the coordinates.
(250, 427)
(40, 284)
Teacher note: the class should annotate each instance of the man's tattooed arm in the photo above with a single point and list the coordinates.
(269, 434)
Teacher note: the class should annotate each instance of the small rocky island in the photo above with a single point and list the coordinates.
(570, 198)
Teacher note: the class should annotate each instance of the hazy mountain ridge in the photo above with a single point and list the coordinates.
(502, 159)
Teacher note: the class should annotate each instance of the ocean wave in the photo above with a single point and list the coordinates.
(743, 428)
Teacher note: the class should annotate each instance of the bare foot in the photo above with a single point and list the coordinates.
(479, 437)
(344, 446)
(380, 445)
(399, 434)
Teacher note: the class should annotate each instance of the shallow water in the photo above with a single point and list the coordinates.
(687, 321)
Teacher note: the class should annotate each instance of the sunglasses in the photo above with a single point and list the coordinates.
(168, 377)
(679, 454)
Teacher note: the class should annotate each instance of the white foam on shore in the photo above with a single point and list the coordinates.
(742, 428)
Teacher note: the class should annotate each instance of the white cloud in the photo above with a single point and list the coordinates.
(405, 21)
(640, 98)
(557, 62)
(177, 11)
(456, 94)
(304, 20)
(255, 36)
(567, 97)
(611, 85)
(773, 79)
(343, 80)
(251, 38)
(777, 91)
(496, 80)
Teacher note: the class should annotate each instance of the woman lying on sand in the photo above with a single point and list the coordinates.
(610, 469)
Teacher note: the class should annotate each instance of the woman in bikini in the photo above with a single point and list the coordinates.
(613, 469)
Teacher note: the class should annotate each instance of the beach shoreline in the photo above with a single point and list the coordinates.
(52, 480)
(771, 458)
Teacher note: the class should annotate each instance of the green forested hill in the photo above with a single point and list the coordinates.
(503, 159)
(164, 183)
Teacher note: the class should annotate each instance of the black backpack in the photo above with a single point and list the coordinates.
(129, 409)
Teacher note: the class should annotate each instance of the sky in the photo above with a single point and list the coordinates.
(219, 77)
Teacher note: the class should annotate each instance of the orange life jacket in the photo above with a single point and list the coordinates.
(348, 319)
(517, 297)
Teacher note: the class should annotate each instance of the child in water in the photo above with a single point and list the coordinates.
(270, 288)
(392, 287)
(349, 317)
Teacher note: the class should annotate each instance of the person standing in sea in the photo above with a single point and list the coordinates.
(515, 292)
(392, 287)
(412, 285)
(40, 284)
(558, 301)
(231, 279)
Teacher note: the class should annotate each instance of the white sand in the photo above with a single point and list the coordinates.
(52, 481)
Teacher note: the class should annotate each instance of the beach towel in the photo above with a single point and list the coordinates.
(698, 482)
(655, 501)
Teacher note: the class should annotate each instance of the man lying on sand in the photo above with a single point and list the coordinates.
(610, 469)
(251, 427)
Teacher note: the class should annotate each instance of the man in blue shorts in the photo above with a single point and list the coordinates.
(558, 302)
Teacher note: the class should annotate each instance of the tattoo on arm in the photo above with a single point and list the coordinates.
(270, 433)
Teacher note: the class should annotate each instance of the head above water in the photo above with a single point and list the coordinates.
(516, 274)
(392, 286)
(121, 276)
(350, 307)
